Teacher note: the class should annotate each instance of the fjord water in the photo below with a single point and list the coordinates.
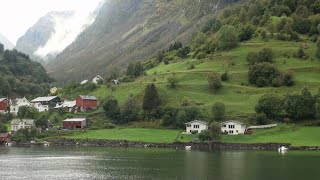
(128, 163)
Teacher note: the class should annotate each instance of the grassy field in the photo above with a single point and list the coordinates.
(239, 97)
(131, 134)
(294, 134)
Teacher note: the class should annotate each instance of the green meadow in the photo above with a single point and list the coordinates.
(238, 96)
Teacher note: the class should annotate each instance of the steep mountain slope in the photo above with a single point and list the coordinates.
(7, 44)
(20, 76)
(39, 34)
(126, 31)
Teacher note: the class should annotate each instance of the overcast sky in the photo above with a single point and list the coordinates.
(17, 16)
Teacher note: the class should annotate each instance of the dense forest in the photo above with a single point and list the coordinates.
(20, 76)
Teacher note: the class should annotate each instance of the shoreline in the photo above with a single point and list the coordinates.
(180, 145)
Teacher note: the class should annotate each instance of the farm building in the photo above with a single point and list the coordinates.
(86, 103)
(75, 123)
(4, 105)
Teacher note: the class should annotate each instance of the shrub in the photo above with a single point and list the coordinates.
(266, 55)
(270, 105)
(185, 102)
(214, 81)
(252, 57)
(201, 55)
(261, 119)
(224, 76)
(172, 81)
(262, 74)
(228, 37)
(218, 110)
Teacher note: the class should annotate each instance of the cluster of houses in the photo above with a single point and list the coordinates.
(228, 127)
(83, 103)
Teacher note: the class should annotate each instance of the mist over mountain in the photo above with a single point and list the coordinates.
(129, 30)
(7, 44)
(52, 33)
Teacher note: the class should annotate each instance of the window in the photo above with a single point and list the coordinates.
(224, 125)
(188, 125)
(231, 126)
(231, 132)
(196, 126)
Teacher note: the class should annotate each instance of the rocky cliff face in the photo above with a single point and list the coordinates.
(129, 30)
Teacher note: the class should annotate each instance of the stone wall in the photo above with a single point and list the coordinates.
(178, 145)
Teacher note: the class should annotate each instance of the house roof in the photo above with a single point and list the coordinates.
(44, 99)
(234, 121)
(18, 100)
(68, 104)
(4, 135)
(27, 121)
(74, 120)
(197, 121)
(85, 97)
(2, 99)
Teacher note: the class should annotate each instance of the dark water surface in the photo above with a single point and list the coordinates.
(121, 163)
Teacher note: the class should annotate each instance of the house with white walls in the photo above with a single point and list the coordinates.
(15, 104)
(97, 79)
(233, 127)
(17, 124)
(196, 126)
(43, 103)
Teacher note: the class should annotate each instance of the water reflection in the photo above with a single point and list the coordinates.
(112, 163)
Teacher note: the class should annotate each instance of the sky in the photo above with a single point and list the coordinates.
(17, 16)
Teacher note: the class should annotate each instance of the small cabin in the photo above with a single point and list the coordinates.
(75, 123)
(233, 127)
(196, 126)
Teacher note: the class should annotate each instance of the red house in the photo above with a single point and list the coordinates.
(86, 103)
(5, 137)
(76, 123)
(4, 104)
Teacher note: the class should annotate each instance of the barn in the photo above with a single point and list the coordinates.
(75, 123)
(86, 103)
(4, 104)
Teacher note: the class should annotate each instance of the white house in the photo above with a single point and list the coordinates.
(84, 82)
(15, 104)
(67, 105)
(233, 127)
(43, 103)
(196, 126)
(96, 79)
(17, 124)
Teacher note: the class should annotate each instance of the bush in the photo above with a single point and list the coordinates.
(214, 81)
(201, 55)
(270, 105)
(252, 58)
(262, 74)
(224, 76)
(228, 37)
(185, 101)
(266, 55)
(172, 81)
(218, 110)
(261, 119)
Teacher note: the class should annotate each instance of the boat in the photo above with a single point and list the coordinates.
(282, 149)
(45, 143)
(187, 148)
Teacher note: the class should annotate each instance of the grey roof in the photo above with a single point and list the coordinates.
(17, 121)
(74, 120)
(44, 99)
(234, 121)
(197, 121)
(88, 97)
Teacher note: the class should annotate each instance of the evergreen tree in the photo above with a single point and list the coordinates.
(318, 47)
(111, 108)
(214, 81)
(218, 110)
(151, 98)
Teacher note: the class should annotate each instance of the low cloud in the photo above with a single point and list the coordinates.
(66, 31)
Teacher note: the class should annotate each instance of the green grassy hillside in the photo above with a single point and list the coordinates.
(239, 97)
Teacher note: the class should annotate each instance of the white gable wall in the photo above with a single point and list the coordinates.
(195, 126)
(233, 128)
